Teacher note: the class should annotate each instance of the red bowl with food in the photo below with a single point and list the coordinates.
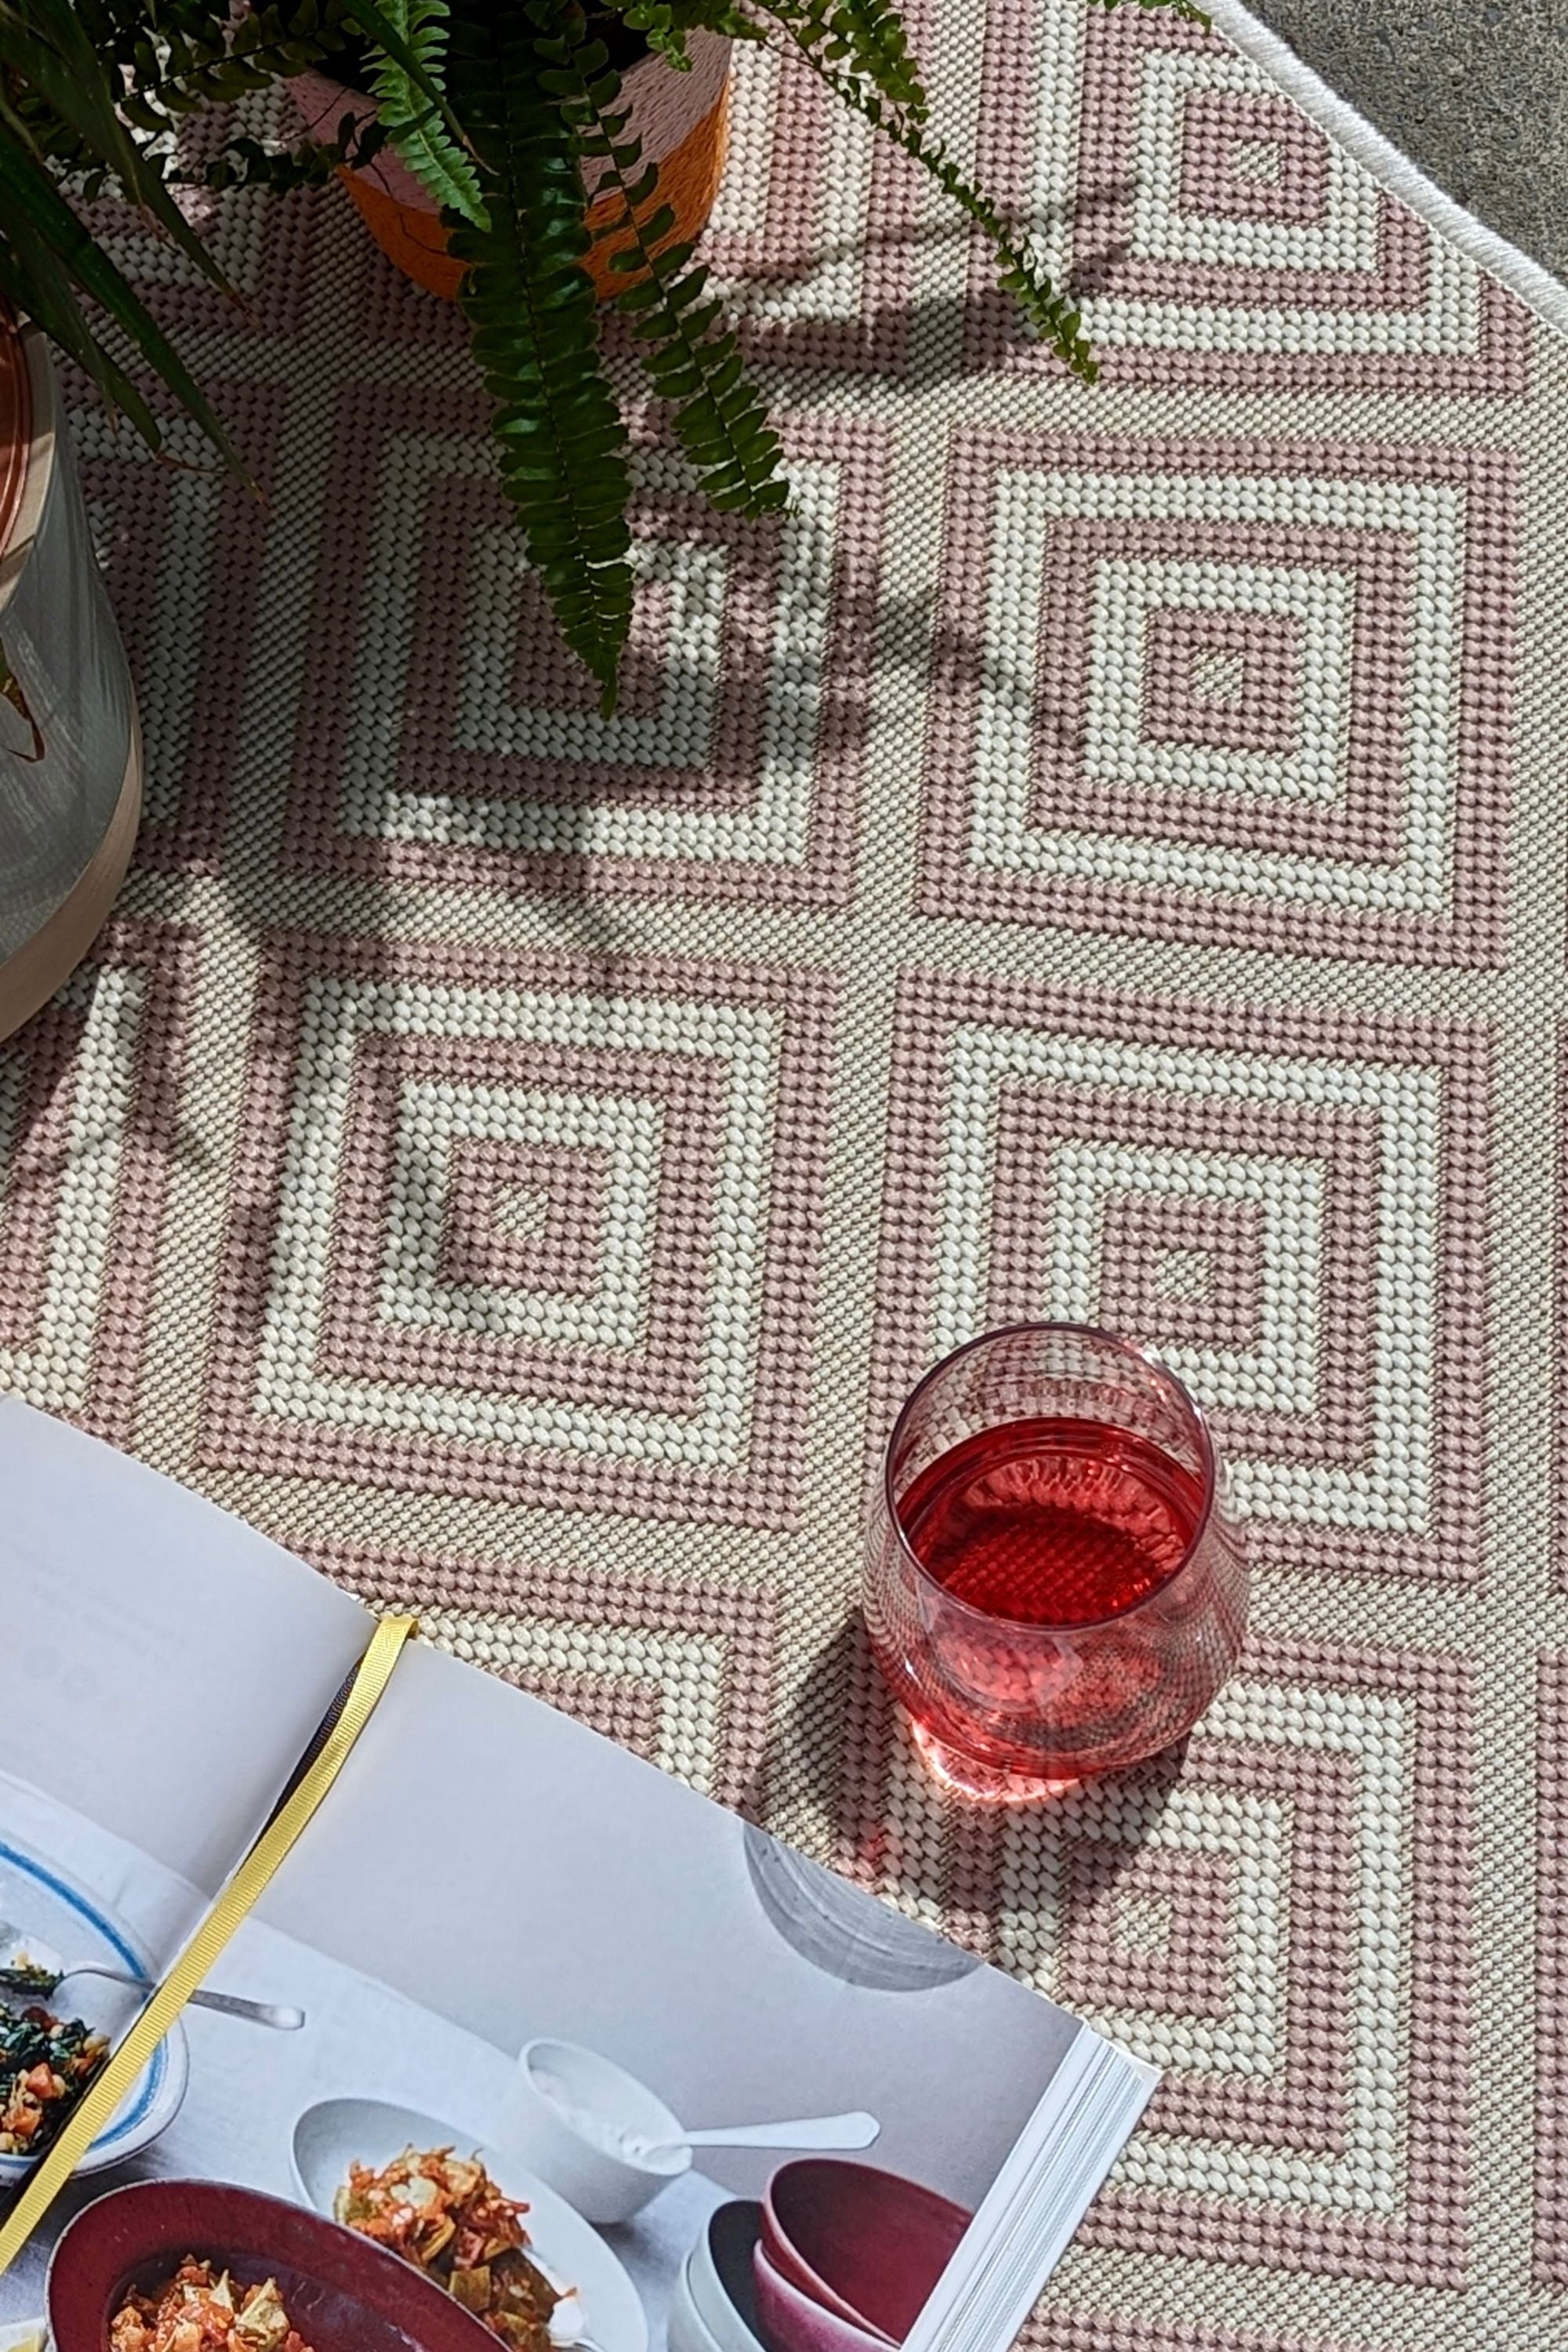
(339, 2293)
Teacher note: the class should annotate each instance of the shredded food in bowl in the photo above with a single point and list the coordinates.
(196, 2312)
(445, 2214)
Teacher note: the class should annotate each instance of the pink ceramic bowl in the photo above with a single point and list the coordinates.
(791, 2322)
(865, 2245)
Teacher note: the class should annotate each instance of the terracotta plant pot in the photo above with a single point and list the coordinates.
(683, 119)
(70, 750)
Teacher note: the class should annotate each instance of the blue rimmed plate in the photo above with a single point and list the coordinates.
(40, 1898)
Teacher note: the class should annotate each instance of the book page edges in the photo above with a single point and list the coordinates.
(1029, 2216)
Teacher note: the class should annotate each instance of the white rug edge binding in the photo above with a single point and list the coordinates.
(1535, 286)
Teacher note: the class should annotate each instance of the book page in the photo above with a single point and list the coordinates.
(510, 1967)
(166, 1665)
(502, 1864)
(591, 1961)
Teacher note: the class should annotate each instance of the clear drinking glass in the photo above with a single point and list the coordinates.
(1052, 1586)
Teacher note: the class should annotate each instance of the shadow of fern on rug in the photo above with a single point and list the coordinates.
(93, 1131)
(1219, 240)
(674, 1379)
(441, 739)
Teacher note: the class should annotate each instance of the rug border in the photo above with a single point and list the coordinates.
(1535, 286)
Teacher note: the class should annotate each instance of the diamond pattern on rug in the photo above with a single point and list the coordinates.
(1214, 236)
(1319, 2119)
(467, 747)
(1275, 1914)
(656, 1362)
(89, 1109)
(530, 1214)
(1247, 157)
(813, 238)
(439, 1162)
(1285, 1205)
(1238, 691)
(181, 545)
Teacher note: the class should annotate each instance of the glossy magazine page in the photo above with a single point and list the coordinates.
(499, 2019)
(168, 1664)
(647, 1965)
(164, 1664)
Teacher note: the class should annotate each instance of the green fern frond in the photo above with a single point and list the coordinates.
(412, 125)
(693, 361)
(46, 260)
(665, 24)
(198, 57)
(243, 162)
(1186, 8)
(655, 20)
(45, 48)
(691, 357)
(49, 261)
(879, 42)
(1054, 317)
(531, 308)
(868, 37)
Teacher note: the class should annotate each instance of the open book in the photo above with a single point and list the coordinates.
(509, 1967)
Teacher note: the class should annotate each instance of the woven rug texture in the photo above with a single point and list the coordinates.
(1102, 857)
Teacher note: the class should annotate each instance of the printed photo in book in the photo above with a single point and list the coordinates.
(526, 2043)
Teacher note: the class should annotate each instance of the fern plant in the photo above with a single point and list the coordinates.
(496, 106)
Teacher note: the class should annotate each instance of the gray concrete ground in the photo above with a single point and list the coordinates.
(1474, 91)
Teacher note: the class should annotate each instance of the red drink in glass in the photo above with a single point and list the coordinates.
(1052, 1587)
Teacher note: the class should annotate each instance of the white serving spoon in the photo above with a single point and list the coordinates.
(836, 2132)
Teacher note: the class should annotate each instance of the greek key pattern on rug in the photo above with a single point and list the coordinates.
(1099, 857)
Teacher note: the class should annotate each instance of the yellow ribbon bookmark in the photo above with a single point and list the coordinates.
(109, 2086)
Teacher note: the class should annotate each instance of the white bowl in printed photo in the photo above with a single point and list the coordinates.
(685, 2328)
(714, 2307)
(603, 2307)
(595, 2133)
(43, 1905)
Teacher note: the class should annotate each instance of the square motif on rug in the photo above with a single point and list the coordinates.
(446, 737)
(1214, 236)
(1286, 1205)
(523, 1228)
(1251, 693)
(1276, 1915)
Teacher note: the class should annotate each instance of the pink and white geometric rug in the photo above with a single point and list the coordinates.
(1102, 857)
